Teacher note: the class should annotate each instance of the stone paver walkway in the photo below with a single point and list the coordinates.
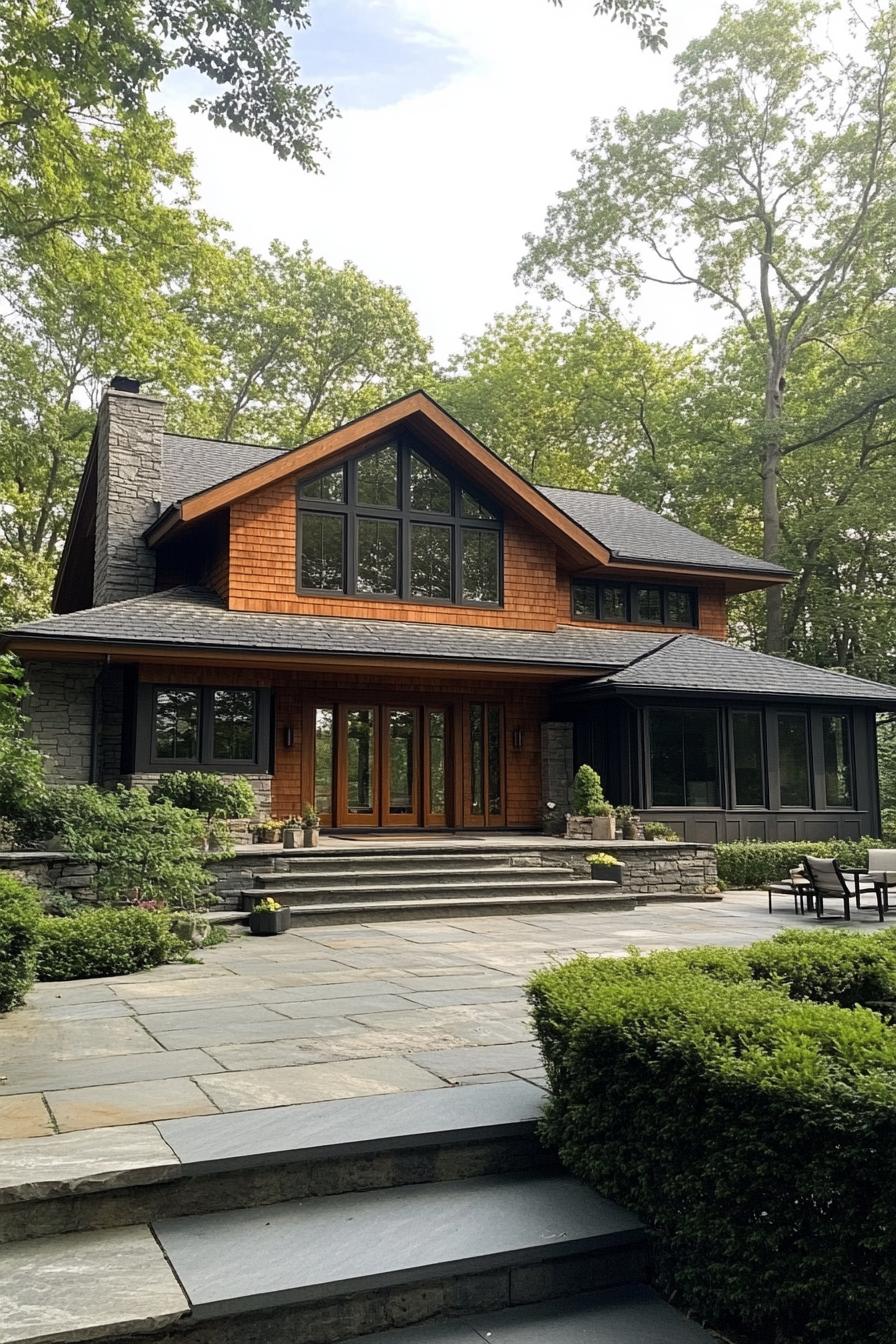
(318, 1014)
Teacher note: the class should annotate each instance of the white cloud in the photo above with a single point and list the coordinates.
(434, 192)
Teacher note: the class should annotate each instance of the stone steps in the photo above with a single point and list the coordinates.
(500, 885)
(434, 1211)
(96, 1179)
(438, 906)
(411, 874)
(407, 853)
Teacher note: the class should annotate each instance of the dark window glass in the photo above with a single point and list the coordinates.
(684, 757)
(480, 565)
(402, 756)
(430, 560)
(233, 725)
(584, 601)
(837, 764)
(430, 490)
(176, 725)
(477, 758)
(679, 606)
(323, 761)
(323, 552)
(749, 768)
(793, 760)
(360, 760)
(648, 605)
(472, 508)
(330, 486)
(495, 802)
(437, 761)
(378, 478)
(613, 602)
(377, 556)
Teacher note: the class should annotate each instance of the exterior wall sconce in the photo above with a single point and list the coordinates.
(289, 736)
(517, 738)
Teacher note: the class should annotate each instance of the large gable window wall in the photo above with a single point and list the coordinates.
(754, 758)
(392, 524)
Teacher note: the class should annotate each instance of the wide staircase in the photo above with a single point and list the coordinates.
(428, 1217)
(400, 881)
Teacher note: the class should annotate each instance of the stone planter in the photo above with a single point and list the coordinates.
(591, 828)
(607, 872)
(291, 837)
(310, 836)
(265, 923)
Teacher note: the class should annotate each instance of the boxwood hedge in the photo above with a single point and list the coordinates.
(755, 1131)
(19, 925)
(751, 864)
(104, 941)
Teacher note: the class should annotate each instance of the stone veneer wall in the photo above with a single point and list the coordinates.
(128, 493)
(61, 708)
(557, 766)
(50, 872)
(651, 866)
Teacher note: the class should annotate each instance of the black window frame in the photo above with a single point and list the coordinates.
(850, 805)
(597, 588)
(405, 516)
(716, 711)
(146, 755)
(734, 802)
(808, 718)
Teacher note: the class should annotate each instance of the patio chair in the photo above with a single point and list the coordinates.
(829, 883)
(797, 887)
(882, 864)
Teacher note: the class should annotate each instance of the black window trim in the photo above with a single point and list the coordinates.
(734, 803)
(718, 711)
(405, 516)
(632, 617)
(845, 714)
(809, 719)
(146, 757)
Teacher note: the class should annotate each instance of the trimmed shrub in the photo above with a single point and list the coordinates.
(19, 921)
(588, 794)
(753, 864)
(829, 966)
(756, 1133)
(208, 794)
(104, 941)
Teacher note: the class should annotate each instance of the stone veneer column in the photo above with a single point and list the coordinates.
(61, 708)
(556, 765)
(128, 485)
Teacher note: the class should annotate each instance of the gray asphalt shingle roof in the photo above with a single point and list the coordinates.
(190, 465)
(633, 532)
(631, 660)
(692, 663)
(628, 530)
(197, 618)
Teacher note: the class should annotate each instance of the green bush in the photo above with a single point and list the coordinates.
(588, 794)
(756, 1133)
(143, 850)
(753, 864)
(210, 795)
(19, 921)
(21, 765)
(104, 941)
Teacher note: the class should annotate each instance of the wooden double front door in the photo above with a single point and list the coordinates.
(409, 765)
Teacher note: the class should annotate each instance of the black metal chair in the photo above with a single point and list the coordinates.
(829, 883)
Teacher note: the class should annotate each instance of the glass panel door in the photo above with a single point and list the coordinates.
(436, 768)
(323, 764)
(484, 765)
(402, 783)
(358, 791)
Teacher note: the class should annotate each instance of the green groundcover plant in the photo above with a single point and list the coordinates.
(104, 941)
(754, 1128)
(19, 935)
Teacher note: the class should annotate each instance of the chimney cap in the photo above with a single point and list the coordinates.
(122, 384)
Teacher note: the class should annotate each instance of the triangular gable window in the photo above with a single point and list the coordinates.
(394, 524)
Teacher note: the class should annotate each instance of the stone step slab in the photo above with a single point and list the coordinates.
(91, 1179)
(364, 912)
(306, 896)
(420, 873)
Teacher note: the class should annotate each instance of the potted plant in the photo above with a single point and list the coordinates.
(310, 826)
(605, 868)
(628, 821)
(292, 830)
(593, 816)
(658, 830)
(269, 917)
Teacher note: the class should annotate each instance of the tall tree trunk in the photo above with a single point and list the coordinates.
(771, 509)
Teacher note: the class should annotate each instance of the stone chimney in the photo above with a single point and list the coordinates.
(128, 490)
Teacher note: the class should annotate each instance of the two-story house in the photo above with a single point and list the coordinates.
(391, 623)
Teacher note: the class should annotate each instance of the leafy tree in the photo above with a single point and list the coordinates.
(769, 191)
(299, 347)
(72, 72)
(647, 17)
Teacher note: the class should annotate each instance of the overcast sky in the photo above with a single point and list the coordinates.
(458, 121)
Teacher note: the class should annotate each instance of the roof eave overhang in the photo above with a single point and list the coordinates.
(600, 689)
(117, 651)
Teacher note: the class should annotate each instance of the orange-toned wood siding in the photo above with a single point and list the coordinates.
(711, 609)
(525, 707)
(263, 573)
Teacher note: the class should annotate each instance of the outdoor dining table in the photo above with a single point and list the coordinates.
(880, 882)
